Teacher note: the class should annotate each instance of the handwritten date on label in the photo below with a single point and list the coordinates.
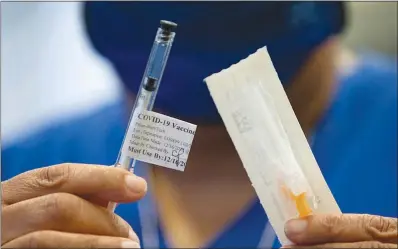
(158, 139)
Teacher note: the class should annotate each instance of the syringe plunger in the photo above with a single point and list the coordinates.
(166, 29)
(150, 84)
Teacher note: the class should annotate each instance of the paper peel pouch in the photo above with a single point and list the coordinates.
(271, 145)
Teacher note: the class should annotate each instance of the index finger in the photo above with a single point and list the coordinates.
(104, 182)
(320, 229)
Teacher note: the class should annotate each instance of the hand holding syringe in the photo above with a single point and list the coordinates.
(149, 86)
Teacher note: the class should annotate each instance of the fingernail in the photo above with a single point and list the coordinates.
(135, 184)
(296, 226)
(130, 244)
(133, 236)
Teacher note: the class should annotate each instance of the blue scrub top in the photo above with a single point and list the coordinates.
(355, 146)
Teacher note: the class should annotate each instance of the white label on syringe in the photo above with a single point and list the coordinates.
(159, 139)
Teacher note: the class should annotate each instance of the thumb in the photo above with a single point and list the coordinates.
(320, 229)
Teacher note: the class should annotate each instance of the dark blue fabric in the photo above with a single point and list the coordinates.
(211, 36)
(355, 146)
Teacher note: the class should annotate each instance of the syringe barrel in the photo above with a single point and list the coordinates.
(149, 86)
(158, 58)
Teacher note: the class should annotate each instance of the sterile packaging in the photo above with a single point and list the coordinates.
(270, 142)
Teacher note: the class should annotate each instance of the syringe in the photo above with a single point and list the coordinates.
(149, 87)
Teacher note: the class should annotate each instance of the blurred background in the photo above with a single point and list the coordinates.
(49, 71)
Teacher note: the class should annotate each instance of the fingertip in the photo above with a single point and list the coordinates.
(127, 188)
(133, 236)
(295, 228)
(135, 184)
